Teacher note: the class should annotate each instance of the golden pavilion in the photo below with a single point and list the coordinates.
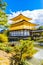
(20, 27)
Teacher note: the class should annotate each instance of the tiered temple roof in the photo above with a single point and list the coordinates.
(21, 22)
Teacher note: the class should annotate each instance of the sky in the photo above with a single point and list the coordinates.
(29, 8)
(18, 5)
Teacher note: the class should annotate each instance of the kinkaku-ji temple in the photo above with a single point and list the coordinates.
(21, 28)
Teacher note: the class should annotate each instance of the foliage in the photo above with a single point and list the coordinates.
(6, 47)
(40, 40)
(26, 63)
(3, 15)
(3, 38)
(2, 5)
(3, 18)
(40, 28)
(4, 44)
(23, 50)
(39, 37)
(41, 34)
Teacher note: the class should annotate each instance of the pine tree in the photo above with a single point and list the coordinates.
(3, 15)
(2, 5)
(25, 49)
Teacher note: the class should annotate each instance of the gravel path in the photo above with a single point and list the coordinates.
(34, 61)
(37, 58)
(39, 54)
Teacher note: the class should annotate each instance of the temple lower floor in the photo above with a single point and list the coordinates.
(18, 34)
(24, 34)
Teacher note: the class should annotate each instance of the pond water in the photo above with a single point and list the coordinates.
(41, 43)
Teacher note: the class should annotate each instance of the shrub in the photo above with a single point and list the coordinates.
(23, 50)
(28, 48)
(3, 38)
(6, 47)
(25, 63)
